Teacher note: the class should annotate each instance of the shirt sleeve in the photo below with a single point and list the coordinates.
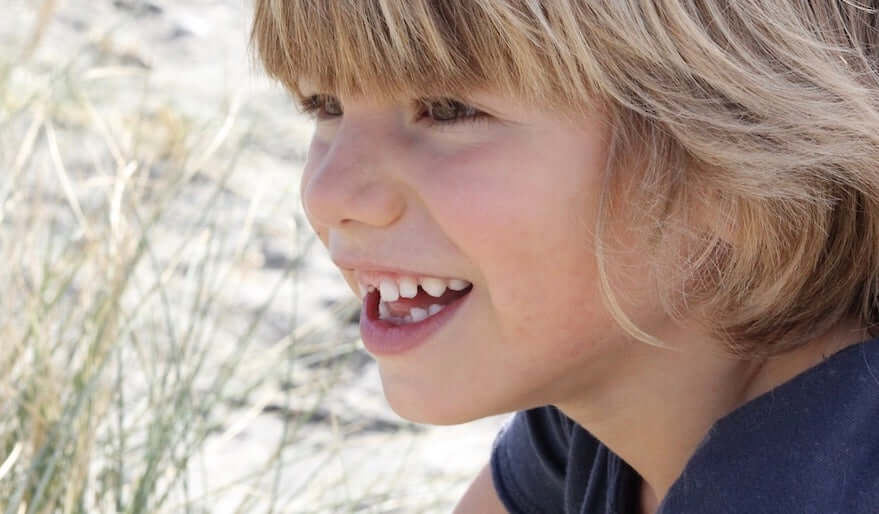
(529, 460)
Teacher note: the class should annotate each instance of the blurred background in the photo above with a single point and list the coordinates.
(173, 339)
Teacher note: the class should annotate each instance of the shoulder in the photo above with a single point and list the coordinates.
(809, 445)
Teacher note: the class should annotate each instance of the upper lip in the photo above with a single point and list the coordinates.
(359, 264)
(368, 265)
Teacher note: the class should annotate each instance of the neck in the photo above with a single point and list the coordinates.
(660, 403)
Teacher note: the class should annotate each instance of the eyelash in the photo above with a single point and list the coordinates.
(315, 107)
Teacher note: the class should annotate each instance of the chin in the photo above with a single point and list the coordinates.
(434, 409)
(435, 417)
(443, 407)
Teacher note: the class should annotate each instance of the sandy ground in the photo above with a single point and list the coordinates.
(192, 57)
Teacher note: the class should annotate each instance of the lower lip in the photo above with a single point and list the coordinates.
(384, 338)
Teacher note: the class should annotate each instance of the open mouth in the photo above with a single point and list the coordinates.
(407, 300)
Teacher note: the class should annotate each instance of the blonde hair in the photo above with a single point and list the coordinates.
(764, 114)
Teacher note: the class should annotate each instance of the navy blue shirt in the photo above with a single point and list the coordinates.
(811, 445)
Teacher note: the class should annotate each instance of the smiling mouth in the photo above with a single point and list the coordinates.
(408, 300)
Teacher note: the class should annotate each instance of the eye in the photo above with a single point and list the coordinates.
(431, 111)
(321, 106)
(446, 111)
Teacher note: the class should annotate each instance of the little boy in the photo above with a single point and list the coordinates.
(649, 228)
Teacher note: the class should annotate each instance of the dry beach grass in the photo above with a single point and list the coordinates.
(173, 339)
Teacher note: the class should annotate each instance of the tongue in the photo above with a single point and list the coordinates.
(424, 301)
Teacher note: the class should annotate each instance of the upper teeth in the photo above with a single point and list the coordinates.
(408, 287)
(391, 289)
(433, 286)
(458, 285)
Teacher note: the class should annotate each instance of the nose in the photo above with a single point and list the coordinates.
(347, 182)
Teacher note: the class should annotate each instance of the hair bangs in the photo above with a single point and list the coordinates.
(391, 49)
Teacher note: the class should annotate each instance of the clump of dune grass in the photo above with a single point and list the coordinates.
(117, 360)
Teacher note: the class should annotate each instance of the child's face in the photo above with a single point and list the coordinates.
(506, 203)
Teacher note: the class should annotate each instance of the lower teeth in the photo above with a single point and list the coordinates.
(415, 314)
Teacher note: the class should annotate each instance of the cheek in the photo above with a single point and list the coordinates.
(492, 192)
(523, 214)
